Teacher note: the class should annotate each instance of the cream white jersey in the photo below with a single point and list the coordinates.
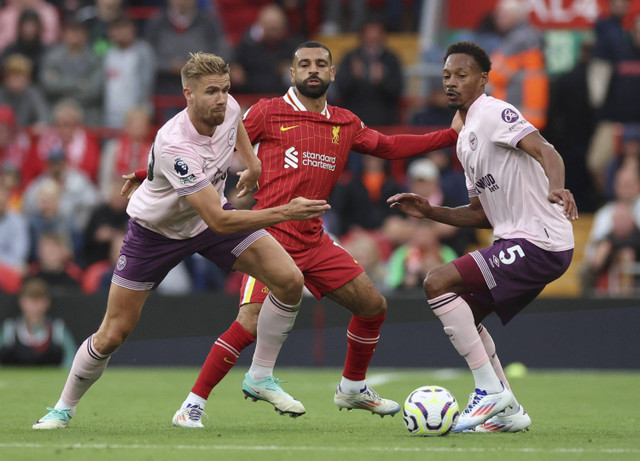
(182, 162)
(510, 184)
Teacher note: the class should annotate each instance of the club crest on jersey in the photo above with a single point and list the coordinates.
(122, 262)
(335, 130)
(180, 166)
(232, 137)
(473, 141)
(510, 116)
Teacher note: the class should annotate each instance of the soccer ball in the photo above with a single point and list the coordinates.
(430, 410)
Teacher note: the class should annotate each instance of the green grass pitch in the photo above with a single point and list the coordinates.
(577, 415)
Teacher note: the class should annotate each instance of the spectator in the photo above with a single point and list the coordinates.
(628, 156)
(423, 178)
(28, 103)
(370, 80)
(10, 19)
(616, 69)
(128, 152)
(182, 28)
(14, 244)
(54, 264)
(69, 135)
(518, 67)
(335, 21)
(365, 248)
(410, 263)
(627, 191)
(29, 42)
(72, 70)
(96, 17)
(48, 216)
(263, 58)
(33, 338)
(571, 120)
(618, 250)
(15, 144)
(360, 200)
(97, 276)
(75, 195)
(436, 112)
(130, 67)
(106, 220)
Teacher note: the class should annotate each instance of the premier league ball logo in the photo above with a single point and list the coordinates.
(180, 166)
(510, 116)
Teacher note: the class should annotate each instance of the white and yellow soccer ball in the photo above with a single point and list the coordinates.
(430, 410)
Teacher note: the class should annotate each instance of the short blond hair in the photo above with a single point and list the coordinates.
(200, 64)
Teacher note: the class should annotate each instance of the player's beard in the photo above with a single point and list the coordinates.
(314, 92)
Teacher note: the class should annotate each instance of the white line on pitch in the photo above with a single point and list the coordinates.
(94, 446)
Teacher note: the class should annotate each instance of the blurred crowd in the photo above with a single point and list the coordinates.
(85, 84)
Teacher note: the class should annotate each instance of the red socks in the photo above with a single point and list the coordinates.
(222, 357)
(362, 338)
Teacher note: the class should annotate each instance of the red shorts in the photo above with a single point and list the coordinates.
(325, 268)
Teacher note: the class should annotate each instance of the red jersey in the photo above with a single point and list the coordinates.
(303, 154)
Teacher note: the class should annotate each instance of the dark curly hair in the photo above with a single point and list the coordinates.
(473, 50)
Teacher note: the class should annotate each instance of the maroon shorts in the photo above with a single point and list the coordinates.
(508, 275)
(325, 268)
(147, 257)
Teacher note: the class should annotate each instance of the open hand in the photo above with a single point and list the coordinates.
(300, 208)
(410, 204)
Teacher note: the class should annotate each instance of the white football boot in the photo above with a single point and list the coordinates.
(483, 406)
(368, 399)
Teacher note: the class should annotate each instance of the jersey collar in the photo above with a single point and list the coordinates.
(292, 99)
(193, 133)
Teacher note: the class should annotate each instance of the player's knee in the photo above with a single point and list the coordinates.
(289, 286)
(107, 341)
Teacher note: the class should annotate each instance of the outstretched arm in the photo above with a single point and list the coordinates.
(471, 215)
(207, 203)
(541, 150)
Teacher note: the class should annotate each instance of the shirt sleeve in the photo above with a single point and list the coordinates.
(183, 169)
(253, 121)
(508, 126)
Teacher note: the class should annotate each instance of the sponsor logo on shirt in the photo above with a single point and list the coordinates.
(180, 166)
(487, 182)
(219, 176)
(312, 159)
(188, 179)
(509, 116)
(291, 158)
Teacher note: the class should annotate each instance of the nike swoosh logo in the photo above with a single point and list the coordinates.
(228, 361)
(283, 128)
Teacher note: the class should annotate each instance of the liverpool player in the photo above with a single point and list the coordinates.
(181, 210)
(303, 145)
(515, 180)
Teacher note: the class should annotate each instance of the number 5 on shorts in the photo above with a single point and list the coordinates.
(513, 251)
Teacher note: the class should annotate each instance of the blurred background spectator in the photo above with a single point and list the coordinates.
(369, 79)
(518, 64)
(29, 40)
(410, 263)
(130, 69)
(15, 144)
(14, 244)
(181, 28)
(33, 338)
(96, 17)
(127, 152)
(262, 60)
(64, 193)
(359, 200)
(71, 70)
(10, 20)
(54, 264)
(69, 135)
(18, 91)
